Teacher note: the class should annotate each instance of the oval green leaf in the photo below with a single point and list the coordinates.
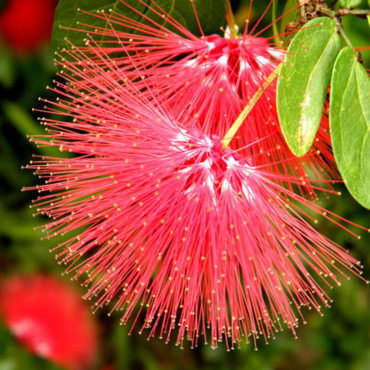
(348, 4)
(211, 15)
(350, 124)
(304, 81)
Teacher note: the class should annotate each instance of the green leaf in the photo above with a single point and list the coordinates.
(304, 81)
(7, 67)
(348, 4)
(350, 124)
(3, 4)
(292, 16)
(26, 125)
(21, 119)
(211, 15)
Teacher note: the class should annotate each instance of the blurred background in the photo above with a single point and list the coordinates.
(339, 340)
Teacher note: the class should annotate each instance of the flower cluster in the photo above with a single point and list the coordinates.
(48, 317)
(25, 25)
(212, 78)
(171, 222)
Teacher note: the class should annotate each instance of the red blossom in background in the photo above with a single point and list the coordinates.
(170, 221)
(48, 317)
(212, 78)
(25, 25)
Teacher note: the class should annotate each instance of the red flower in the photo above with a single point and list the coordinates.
(212, 78)
(49, 318)
(26, 24)
(170, 220)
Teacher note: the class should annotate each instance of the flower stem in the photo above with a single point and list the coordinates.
(230, 20)
(252, 102)
(274, 26)
(302, 10)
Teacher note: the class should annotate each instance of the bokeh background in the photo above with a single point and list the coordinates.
(338, 340)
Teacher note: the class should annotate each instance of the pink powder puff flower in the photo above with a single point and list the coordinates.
(48, 318)
(170, 222)
(212, 78)
(26, 25)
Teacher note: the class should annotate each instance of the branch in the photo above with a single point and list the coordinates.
(230, 20)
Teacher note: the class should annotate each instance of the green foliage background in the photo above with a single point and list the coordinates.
(339, 340)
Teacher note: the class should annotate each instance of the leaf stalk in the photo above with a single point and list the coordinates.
(335, 15)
